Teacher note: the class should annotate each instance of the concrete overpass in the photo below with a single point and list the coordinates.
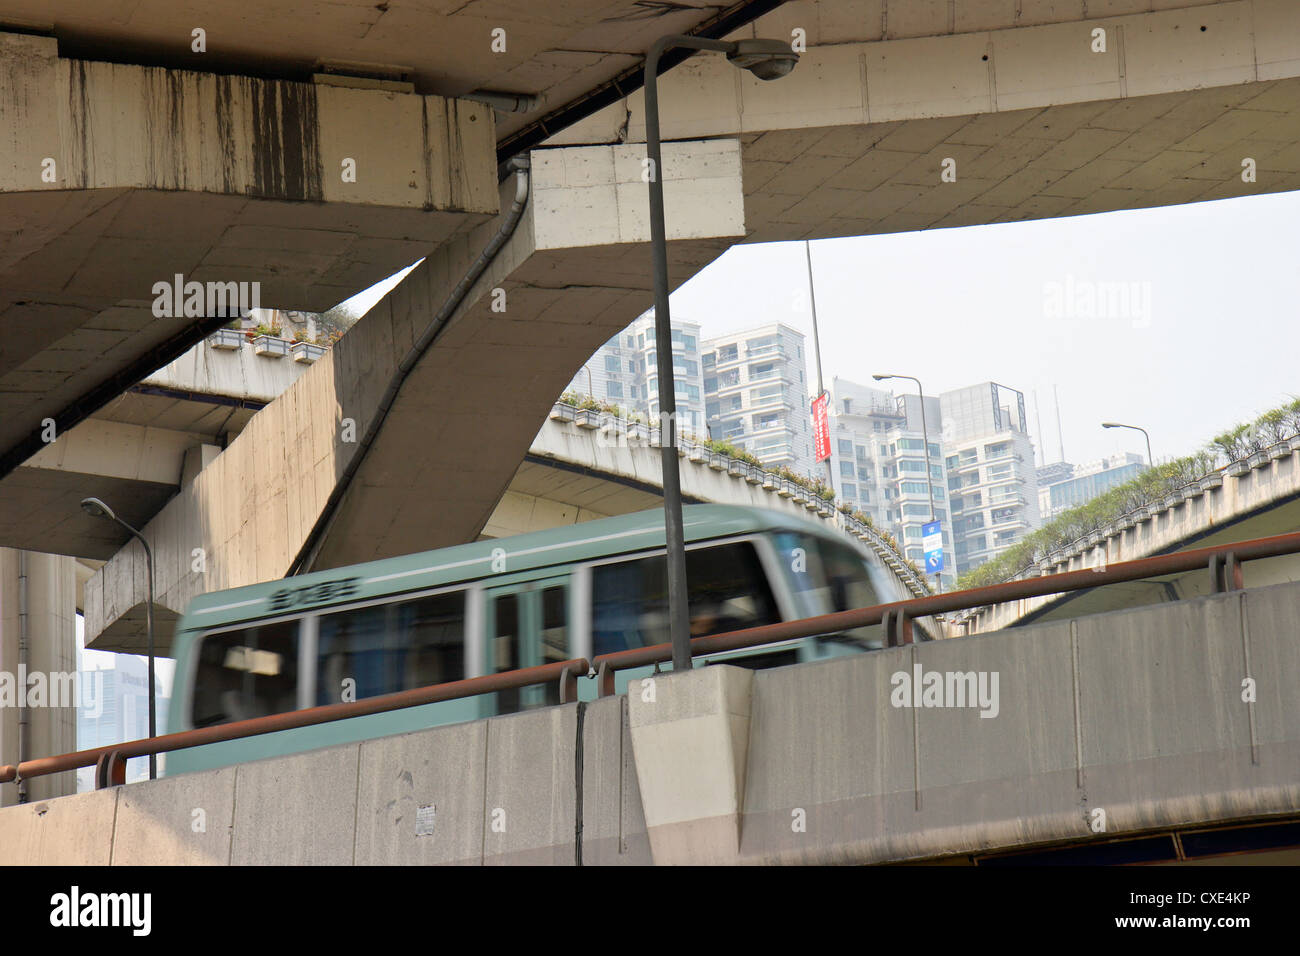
(1043, 127)
(1037, 117)
(571, 473)
(1123, 737)
(219, 165)
(1255, 497)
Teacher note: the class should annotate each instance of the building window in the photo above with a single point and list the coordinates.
(846, 447)
(846, 469)
(728, 353)
(612, 363)
(850, 491)
(613, 390)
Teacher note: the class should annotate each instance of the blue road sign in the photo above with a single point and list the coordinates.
(932, 545)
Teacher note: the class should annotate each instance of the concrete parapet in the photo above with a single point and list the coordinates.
(1116, 725)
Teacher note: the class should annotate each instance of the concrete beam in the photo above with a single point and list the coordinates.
(1037, 124)
(575, 271)
(117, 177)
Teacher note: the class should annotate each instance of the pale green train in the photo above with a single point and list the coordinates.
(497, 605)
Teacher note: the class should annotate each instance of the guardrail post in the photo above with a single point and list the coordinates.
(568, 686)
(1233, 571)
(110, 770)
(605, 680)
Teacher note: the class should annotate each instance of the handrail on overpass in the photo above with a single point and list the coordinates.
(1223, 563)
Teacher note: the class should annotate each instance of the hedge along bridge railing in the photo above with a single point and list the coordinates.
(1223, 562)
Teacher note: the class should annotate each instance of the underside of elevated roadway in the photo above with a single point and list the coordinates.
(1036, 121)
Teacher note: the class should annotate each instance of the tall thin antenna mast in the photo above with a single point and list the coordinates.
(1038, 416)
(1060, 435)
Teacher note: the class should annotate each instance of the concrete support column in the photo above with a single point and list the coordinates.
(690, 740)
(51, 616)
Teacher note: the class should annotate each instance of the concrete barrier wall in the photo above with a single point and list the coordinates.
(1135, 715)
(499, 791)
(1158, 717)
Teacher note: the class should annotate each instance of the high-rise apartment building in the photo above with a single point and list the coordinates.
(878, 459)
(756, 394)
(992, 481)
(1058, 493)
(624, 372)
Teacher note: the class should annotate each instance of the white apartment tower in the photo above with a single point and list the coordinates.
(878, 460)
(624, 372)
(756, 395)
(992, 481)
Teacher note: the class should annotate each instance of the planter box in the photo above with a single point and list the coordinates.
(638, 432)
(306, 352)
(562, 413)
(1210, 482)
(771, 482)
(1280, 450)
(587, 418)
(229, 339)
(698, 454)
(1237, 469)
(718, 461)
(270, 346)
(755, 475)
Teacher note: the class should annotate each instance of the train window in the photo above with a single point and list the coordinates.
(728, 591)
(506, 646)
(386, 648)
(826, 576)
(555, 638)
(247, 673)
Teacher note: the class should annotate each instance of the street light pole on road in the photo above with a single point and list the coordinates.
(1137, 428)
(768, 60)
(925, 440)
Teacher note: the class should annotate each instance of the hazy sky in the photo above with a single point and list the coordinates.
(1210, 337)
(1205, 334)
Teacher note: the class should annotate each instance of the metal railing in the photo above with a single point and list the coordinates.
(1222, 562)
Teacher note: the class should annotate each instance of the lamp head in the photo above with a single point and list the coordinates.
(97, 509)
(881, 378)
(766, 59)
(1110, 425)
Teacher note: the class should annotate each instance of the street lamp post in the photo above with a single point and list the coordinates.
(1151, 462)
(768, 60)
(925, 440)
(97, 509)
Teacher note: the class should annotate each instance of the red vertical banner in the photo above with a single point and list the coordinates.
(821, 428)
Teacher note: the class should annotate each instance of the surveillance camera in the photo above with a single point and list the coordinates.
(766, 59)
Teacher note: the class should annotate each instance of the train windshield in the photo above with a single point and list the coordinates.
(827, 576)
